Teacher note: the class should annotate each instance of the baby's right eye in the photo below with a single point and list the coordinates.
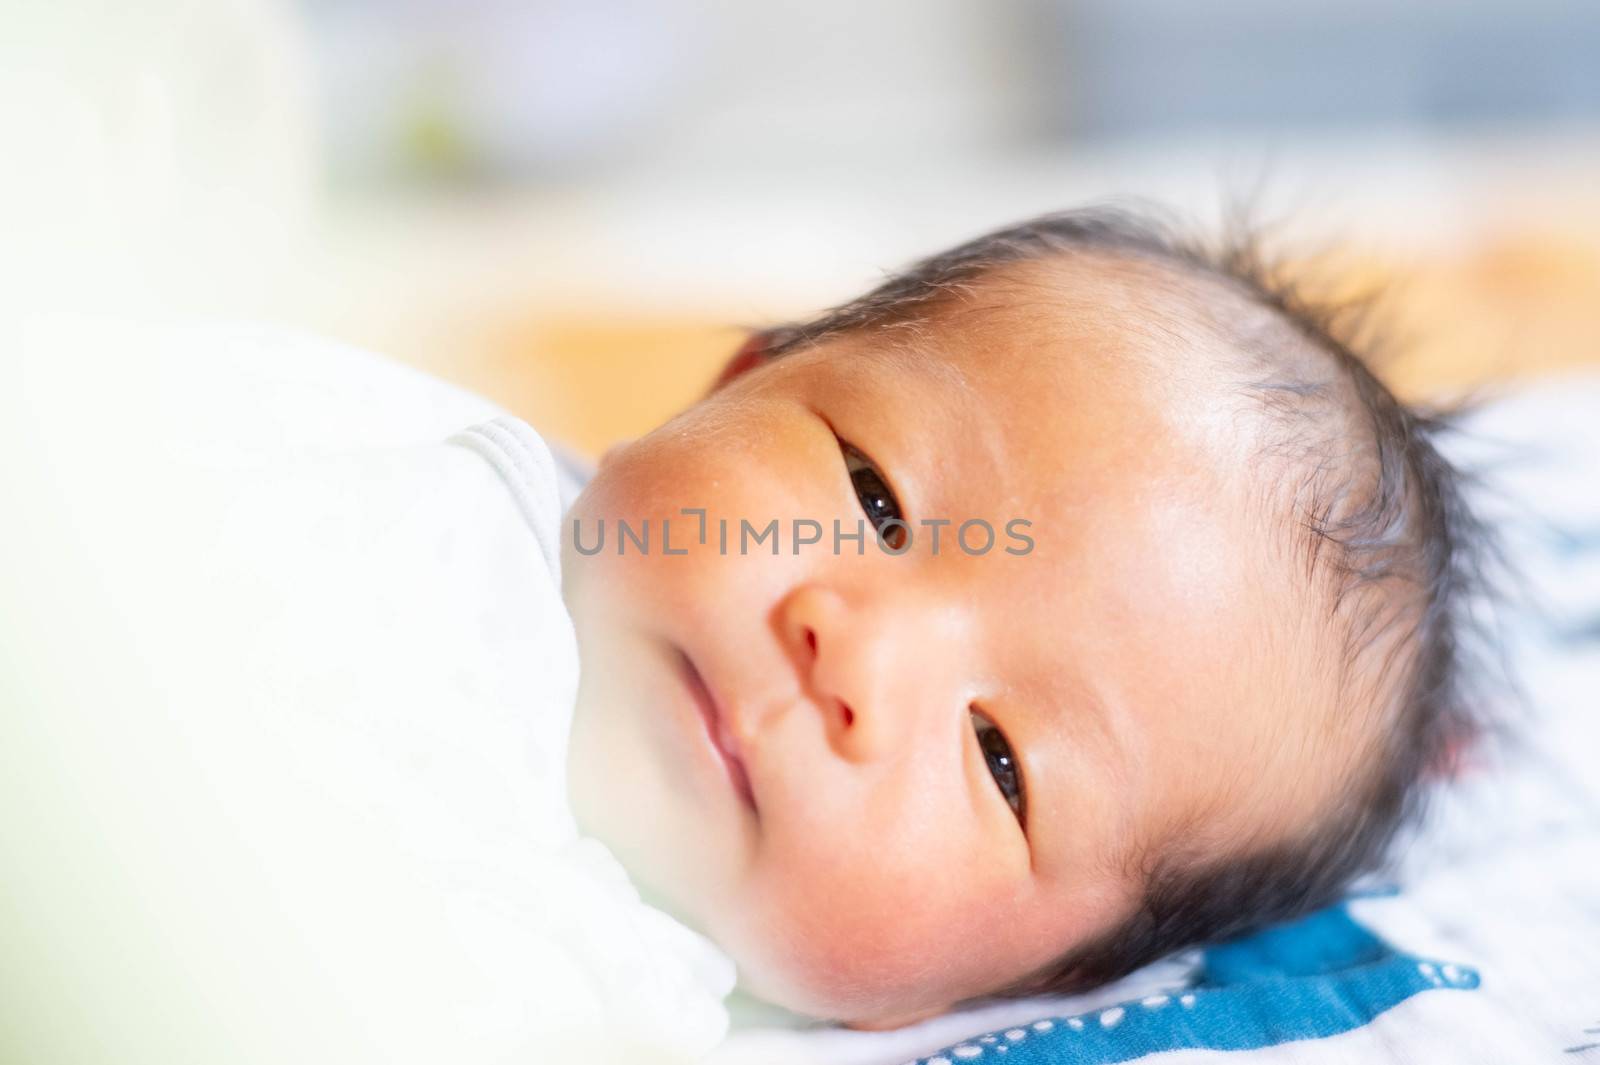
(875, 496)
(1001, 761)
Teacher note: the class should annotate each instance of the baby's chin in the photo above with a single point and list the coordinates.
(635, 785)
(815, 960)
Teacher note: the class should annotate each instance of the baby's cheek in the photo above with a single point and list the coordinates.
(838, 957)
(853, 943)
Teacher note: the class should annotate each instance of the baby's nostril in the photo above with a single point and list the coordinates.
(811, 640)
(849, 714)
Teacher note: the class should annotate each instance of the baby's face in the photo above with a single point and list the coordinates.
(942, 769)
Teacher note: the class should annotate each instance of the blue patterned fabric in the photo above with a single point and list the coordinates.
(1310, 979)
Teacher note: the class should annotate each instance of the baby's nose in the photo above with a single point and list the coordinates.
(859, 663)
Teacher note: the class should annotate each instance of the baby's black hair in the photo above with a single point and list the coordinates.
(1381, 522)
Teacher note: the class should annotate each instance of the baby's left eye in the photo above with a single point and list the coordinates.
(1002, 762)
(875, 496)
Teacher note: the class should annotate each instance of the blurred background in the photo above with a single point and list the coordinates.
(576, 205)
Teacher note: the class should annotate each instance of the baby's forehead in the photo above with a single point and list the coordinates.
(1160, 325)
(1040, 344)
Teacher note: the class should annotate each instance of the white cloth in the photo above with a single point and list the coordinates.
(295, 686)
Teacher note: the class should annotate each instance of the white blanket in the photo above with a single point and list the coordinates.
(289, 686)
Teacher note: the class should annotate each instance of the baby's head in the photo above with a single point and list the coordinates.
(1179, 675)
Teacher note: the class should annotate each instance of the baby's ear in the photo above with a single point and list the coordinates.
(752, 353)
(609, 455)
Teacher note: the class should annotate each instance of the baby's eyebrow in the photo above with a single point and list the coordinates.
(914, 357)
(893, 367)
(912, 352)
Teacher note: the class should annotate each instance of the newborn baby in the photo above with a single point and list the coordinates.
(1069, 599)
(1180, 673)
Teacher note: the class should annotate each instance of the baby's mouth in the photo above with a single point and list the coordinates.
(721, 736)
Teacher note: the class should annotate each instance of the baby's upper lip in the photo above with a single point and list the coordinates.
(721, 725)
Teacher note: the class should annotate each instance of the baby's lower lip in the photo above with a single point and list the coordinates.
(716, 729)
